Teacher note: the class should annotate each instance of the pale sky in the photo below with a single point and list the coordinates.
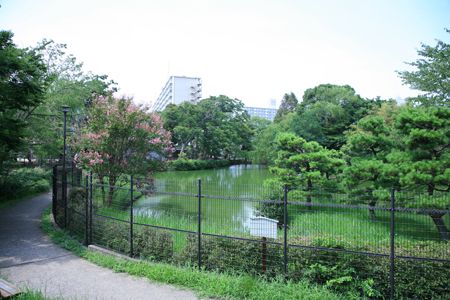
(251, 50)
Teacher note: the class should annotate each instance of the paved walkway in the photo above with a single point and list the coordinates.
(29, 259)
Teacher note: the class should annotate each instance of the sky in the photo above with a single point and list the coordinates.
(251, 50)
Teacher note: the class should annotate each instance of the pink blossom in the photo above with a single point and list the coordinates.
(155, 141)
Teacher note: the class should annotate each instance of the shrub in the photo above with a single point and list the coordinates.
(233, 256)
(148, 243)
(346, 273)
(76, 201)
(24, 181)
(273, 208)
(153, 244)
(184, 164)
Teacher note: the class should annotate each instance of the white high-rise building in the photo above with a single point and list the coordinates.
(179, 89)
(262, 112)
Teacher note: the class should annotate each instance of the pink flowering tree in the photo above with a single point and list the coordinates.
(121, 138)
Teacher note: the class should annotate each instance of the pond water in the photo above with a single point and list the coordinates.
(229, 200)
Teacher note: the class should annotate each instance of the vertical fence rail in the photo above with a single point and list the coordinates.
(55, 191)
(199, 224)
(64, 194)
(90, 207)
(131, 216)
(392, 247)
(64, 171)
(86, 212)
(285, 221)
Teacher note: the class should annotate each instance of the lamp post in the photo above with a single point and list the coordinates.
(65, 109)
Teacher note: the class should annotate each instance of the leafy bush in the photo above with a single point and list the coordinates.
(153, 244)
(346, 273)
(184, 164)
(148, 243)
(232, 256)
(76, 201)
(274, 208)
(24, 181)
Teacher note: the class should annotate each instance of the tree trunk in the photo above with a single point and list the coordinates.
(437, 218)
(372, 215)
(372, 203)
(112, 186)
(102, 184)
(444, 233)
(308, 196)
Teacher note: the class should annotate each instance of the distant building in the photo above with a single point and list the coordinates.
(266, 113)
(179, 89)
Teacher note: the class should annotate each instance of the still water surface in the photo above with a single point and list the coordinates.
(220, 187)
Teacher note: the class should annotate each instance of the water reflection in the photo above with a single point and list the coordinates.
(221, 188)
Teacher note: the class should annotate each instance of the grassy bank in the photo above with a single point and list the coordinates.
(206, 284)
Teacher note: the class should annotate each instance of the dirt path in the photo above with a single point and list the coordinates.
(29, 259)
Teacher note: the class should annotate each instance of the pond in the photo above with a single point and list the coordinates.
(220, 206)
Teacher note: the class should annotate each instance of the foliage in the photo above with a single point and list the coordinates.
(427, 141)
(22, 87)
(425, 161)
(304, 164)
(184, 164)
(215, 128)
(300, 166)
(121, 138)
(431, 75)
(327, 111)
(69, 85)
(368, 146)
(24, 181)
(264, 143)
(346, 273)
(288, 104)
(274, 207)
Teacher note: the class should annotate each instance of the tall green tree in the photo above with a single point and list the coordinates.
(301, 167)
(426, 158)
(216, 127)
(431, 75)
(304, 165)
(182, 121)
(264, 142)
(368, 146)
(288, 104)
(23, 84)
(327, 111)
(69, 85)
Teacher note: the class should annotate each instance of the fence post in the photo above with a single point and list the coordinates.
(55, 191)
(64, 171)
(199, 224)
(131, 216)
(392, 247)
(86, 213)
(90, 207)
(285, 221)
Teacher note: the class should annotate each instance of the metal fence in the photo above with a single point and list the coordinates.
(394, 247)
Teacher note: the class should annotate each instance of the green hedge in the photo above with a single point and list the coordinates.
(148, 243)
(184, 164)
(24, 181)
(346, 273)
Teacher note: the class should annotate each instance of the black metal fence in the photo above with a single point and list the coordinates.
(394, 247)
